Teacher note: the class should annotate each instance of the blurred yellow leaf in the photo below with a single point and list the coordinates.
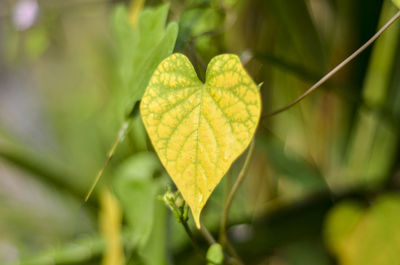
(365, 236)
(198, 129)
(134, 10)
(110, 226)
(397, 3)
(341, 222)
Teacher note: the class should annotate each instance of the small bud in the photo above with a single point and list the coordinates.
(169, 199)
(179, 202)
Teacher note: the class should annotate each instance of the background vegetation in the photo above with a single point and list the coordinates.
(323, 182)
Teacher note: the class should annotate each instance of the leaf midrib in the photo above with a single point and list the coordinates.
(202, 88)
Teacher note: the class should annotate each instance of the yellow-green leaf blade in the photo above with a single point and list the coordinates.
(198, 129)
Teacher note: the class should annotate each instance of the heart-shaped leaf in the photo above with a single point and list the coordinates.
(198, 129)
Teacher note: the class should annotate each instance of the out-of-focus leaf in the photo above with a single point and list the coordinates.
(153, 253)
(79, 251)
(365, 237)
(291, 165)
(137, 191)
(215, 254)
(110, 226)
(397, 3)
(145, 214)
(341, 221)
(140, 50)
(382, 60)
(372, 147)
(198, 130)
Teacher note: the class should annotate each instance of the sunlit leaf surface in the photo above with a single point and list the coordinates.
(198, 129)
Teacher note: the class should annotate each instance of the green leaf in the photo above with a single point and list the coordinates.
(198, 129)
(137, 192)
(397, 3)
(215, 254)
(365, 237)
(139, 50)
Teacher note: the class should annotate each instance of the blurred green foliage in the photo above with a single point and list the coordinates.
(138, 192)
(140, 49)
(323, 184)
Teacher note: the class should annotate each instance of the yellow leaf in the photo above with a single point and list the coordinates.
(397, 3)
(198, 129)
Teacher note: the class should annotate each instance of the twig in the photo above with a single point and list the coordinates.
(120, 136)
(180, 209)
(191, 237)
(235, 187)
(210, 240)
(337, 68)
(207, 235)
(222, 235)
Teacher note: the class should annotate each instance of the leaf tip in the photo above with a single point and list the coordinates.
(196, 218)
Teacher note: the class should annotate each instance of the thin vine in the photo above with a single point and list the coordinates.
(336, 69)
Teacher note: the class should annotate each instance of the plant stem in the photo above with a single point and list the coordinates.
(207, 235)
(120, 136)
(337, 68)
(222, 234)
(210, 239)
(191, 237)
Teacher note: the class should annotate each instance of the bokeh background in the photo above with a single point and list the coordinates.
(323, 185)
